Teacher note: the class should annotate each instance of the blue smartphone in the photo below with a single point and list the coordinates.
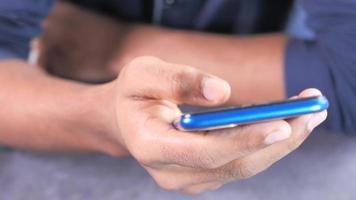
(229, 117)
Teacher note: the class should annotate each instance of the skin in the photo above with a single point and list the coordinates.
(47, 113)
(94, 48)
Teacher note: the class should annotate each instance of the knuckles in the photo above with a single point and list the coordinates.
(168, 183)
(245, 170)
(235, 171)
(200, 156)
(209, 161)
(252, 143)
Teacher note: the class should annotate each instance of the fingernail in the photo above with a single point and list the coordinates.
(315, 121)
(215, 89)
(276, 136)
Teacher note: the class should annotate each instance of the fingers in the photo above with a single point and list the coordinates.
(259, 161)
(177, 83)
(215, 149)
(223, 146)
(197, 162)
(317, 118)
(199, 180)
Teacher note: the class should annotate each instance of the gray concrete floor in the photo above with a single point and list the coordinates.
(323, 168)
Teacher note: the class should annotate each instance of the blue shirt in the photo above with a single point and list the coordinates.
(324, 57)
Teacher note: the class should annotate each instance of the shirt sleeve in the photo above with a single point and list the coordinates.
(327, 62)
(20, 22)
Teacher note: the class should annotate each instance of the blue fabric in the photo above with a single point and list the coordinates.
(321, 51)
(327, 62)
(297, 27)
(20, 22)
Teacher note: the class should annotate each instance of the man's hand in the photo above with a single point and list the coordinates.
(132, 115)
(146, 96)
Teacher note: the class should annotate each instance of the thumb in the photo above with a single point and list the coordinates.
(152, 78)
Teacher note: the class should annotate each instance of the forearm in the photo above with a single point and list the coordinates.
(44, 113)
(253, 65)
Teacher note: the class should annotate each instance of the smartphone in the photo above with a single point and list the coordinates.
(229, 117)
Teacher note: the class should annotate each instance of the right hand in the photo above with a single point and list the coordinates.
(148, 91)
